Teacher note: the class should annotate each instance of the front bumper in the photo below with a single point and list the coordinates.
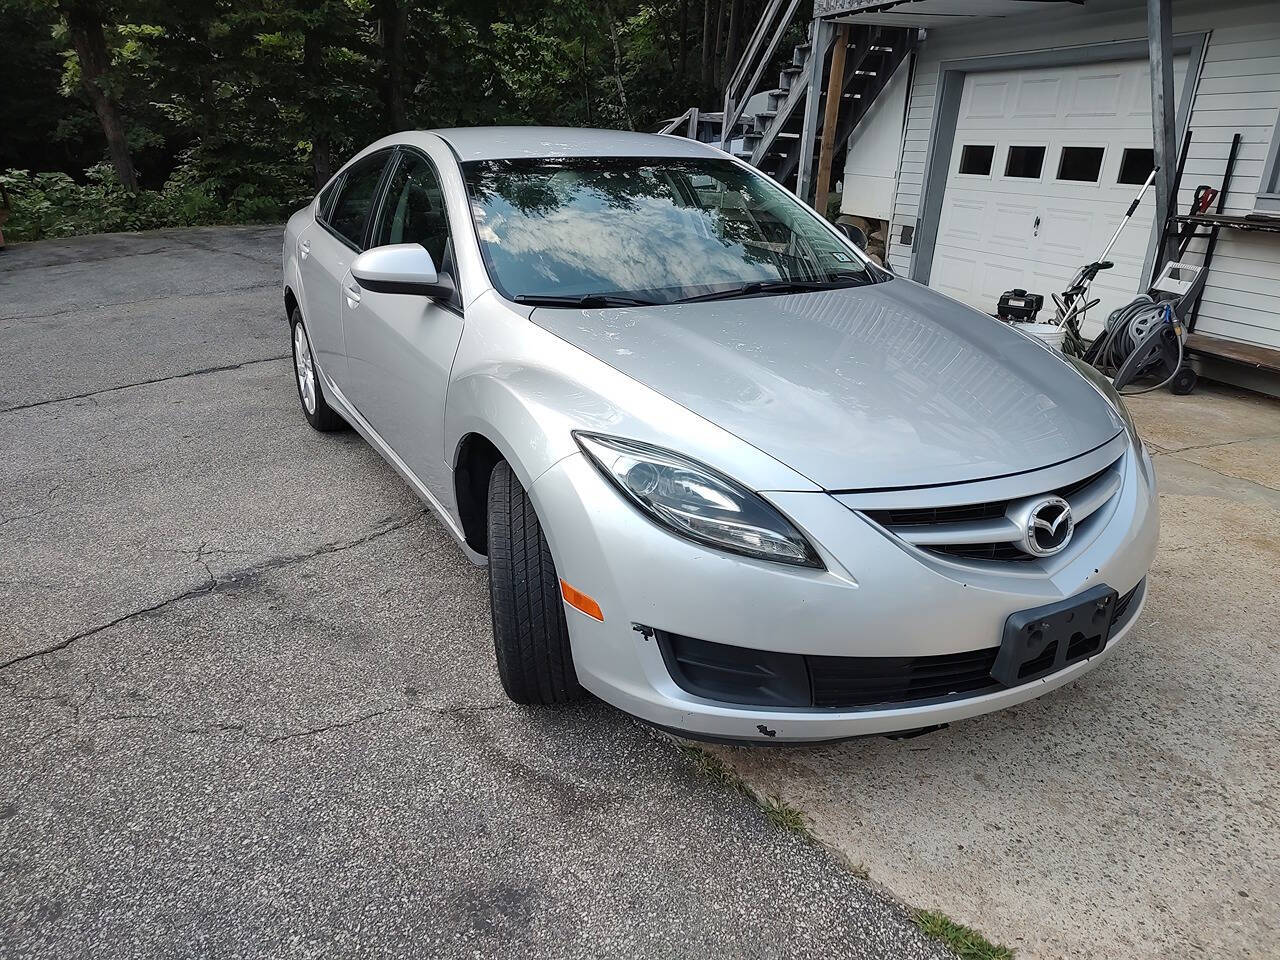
(878, 597)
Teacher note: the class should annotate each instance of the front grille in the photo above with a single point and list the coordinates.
(928, 516)
(917, 523)
(733, 674)
(1073, 488)
(1003, 552)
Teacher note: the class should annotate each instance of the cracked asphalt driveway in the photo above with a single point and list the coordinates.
(247, 703)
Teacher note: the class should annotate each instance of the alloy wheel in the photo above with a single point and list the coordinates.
(304, 368)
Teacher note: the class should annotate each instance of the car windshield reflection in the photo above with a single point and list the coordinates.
(649, 231)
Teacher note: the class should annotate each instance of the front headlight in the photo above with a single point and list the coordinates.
(1109, 392)
(696, 502)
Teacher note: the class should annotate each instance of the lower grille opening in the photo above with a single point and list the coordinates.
(731, 674)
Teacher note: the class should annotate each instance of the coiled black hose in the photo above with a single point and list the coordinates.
(1130, 329)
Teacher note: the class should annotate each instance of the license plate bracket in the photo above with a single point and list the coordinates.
(1044, 640)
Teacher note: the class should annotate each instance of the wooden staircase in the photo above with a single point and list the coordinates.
(773, 138)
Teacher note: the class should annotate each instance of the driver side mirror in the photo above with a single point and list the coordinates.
(401, 268)
(854, 234)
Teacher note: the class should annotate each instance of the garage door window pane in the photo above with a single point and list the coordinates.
(1136, 165)
(1082, 164)
(976, 159)
(1025, 162)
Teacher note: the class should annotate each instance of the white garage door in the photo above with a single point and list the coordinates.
(1044, 165)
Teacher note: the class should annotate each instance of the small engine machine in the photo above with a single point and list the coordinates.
(1018, 306)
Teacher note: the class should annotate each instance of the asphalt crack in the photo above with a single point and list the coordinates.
(337, 724)
(203, 371)
(235, 580)
(344, 723)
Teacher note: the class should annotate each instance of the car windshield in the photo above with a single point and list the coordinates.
(626, 230)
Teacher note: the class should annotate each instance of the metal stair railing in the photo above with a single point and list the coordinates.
(796, 90)
(758, 54)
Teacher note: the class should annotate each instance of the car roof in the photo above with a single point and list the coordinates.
(502, 143)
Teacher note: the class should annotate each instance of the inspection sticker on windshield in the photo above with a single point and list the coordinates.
(841, 256)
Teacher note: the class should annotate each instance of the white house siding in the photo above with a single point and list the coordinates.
(1239, 91)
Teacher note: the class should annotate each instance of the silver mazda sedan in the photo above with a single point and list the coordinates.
(726, 473)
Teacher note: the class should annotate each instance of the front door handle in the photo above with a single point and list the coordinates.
(353, 295)
(304, 248)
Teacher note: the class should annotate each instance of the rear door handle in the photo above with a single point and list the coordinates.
(304, 248)
(353, 295)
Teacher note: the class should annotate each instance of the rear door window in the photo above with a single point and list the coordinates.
(325, 203)
(355, 198)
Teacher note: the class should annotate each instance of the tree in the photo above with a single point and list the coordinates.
(84, 20)
(393, 25)
(235, 110)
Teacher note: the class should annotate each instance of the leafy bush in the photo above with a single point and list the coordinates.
(54, 205)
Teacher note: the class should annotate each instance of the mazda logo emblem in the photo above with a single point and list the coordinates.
(1048, 527)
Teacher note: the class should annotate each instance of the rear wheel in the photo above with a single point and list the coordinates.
(314, 405)
(530, 636)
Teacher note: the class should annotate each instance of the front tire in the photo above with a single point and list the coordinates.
(530, 635)
(310, 393)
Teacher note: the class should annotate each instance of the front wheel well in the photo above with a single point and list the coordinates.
(290, 303)
(476, 459)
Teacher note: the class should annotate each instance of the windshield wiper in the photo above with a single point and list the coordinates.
(582, 301)
(757, 287)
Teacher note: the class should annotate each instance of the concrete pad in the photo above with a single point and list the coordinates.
(1212, 415)
(1133, 814)
(1254, 460)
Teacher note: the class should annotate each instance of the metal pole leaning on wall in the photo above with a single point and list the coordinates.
(1163, 119)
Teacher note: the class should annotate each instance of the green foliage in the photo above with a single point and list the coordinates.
(54, 205)
(237, 110)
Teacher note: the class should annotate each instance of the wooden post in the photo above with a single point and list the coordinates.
(835, 88)
(1163, 114)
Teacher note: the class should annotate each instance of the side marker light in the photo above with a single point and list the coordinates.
(580, 601)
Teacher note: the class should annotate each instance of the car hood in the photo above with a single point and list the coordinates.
(881, 386)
